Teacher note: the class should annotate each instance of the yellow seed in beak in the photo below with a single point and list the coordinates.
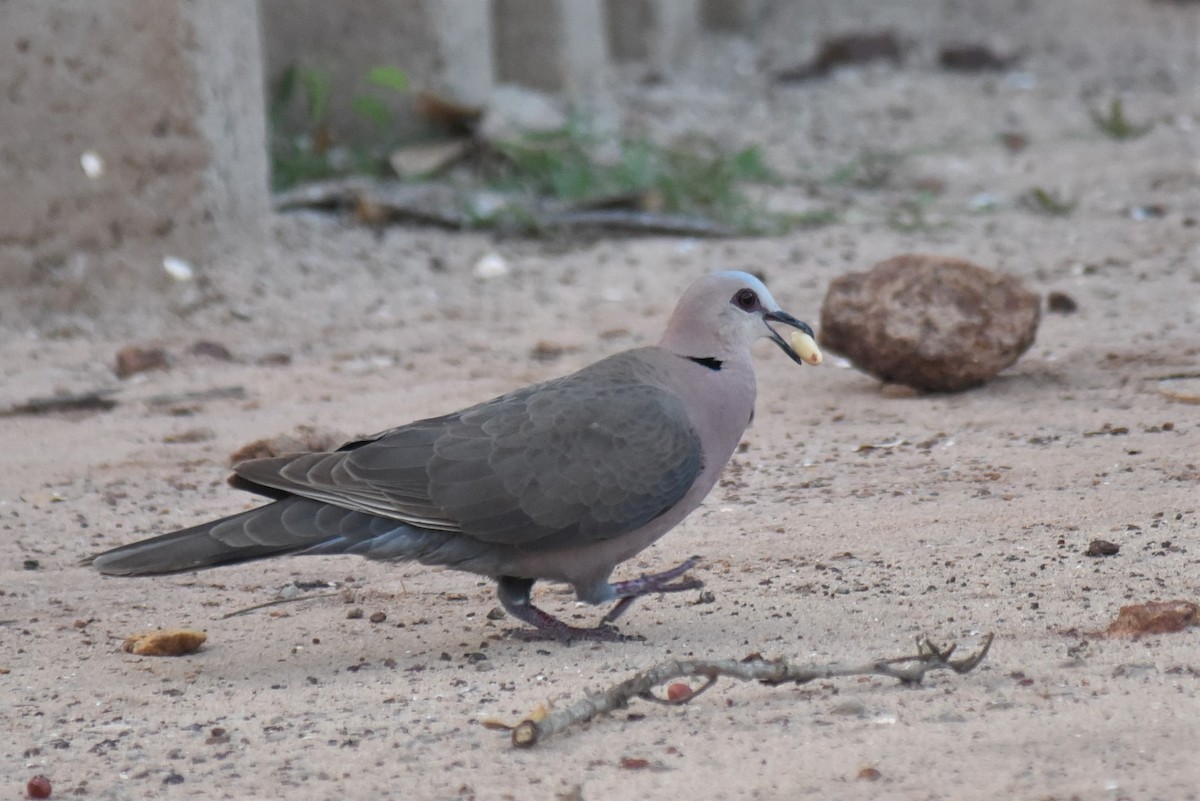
(806, 348)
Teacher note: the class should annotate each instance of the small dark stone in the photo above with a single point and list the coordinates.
(133, 360)
(1102, 548)
(547, 351)
(213, 350)
(173, 778)
(275, 359)
(31, 564)
(851, 48)
(378, 617)
(1061, 303)
(1014, 141)
(972, 58)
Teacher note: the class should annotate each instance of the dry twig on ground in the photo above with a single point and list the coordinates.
(906, 669)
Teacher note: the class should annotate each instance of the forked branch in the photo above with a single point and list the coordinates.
(905, 669)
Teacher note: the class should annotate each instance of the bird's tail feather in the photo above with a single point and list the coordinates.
(286, 526)
(292, 525)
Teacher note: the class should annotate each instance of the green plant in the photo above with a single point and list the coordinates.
(1045, 202)
(575, 168)
(1115, 124)
(873, 169)
(909, 215)
(372, 107)
(693, 177)
(313, 154)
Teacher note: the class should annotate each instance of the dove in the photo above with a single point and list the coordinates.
(560, 481)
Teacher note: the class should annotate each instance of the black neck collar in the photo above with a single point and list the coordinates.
(706, 361)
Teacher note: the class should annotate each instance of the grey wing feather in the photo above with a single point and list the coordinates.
(582, 458)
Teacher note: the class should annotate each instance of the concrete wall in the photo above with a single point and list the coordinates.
(553, 45)
(443, 45)
(164, 99)
(739, 16)
(464, 48)
(657, 33)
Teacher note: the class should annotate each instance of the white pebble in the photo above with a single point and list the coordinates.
(178, 269)
(491, 265)
(93, 165)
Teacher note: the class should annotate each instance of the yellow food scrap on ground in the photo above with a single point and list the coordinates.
(806, 348)
(540, 713)
(165, 642)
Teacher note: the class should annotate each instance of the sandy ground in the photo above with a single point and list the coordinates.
(971, 514)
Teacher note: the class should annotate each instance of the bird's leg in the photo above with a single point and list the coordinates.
(650, 584)
(514, 597)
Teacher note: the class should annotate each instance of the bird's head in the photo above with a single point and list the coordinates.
(724, 313)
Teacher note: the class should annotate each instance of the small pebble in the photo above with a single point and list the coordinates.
(678, 691)
(178, 269)
(38, 787)
(868, 774)
(1102, 548)
(213, 350)
(92, 164)
(1061, 303)
(133, 360)
(491, 265)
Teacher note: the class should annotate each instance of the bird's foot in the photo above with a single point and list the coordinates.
(650, 584)
(514, 596)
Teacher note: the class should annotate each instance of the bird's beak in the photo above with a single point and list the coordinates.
(786, 319)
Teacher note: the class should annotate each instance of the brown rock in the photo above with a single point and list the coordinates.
(929, 322)
(132, 360)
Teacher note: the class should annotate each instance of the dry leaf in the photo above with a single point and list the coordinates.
(1154, 617)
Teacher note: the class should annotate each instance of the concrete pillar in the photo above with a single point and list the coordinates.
(462, 30)
(552, 45)
(130, 130)
(444, 46)
(732, 16)
(659, 33)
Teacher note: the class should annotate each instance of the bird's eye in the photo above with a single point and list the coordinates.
(746, 300)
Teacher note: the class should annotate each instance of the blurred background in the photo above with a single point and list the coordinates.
(141, 141)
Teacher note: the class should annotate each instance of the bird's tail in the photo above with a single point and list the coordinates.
(287, 526)
(282, 527)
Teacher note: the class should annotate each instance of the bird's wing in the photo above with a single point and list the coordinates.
(583, 458)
